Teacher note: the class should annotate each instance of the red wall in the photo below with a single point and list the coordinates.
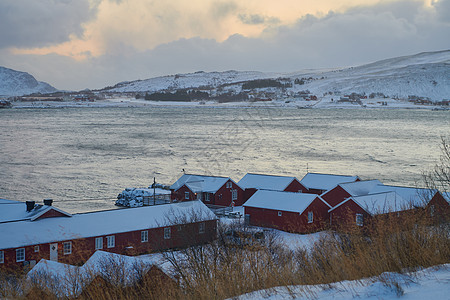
(295, 186)
(335, 196)
(290, 221)
(180, 196)
(181, 236)
(223, 196)
(440, 206)
(344, 216)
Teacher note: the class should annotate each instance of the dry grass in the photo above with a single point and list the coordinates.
(233, 266)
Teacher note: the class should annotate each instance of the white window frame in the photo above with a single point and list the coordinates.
(432, 210)
(166, 233)
(201, 227)
(2, 257)
(207, 197)
(144, 236)
(67, 248)
(229, 185)
(310, 217)
(98, 243)
(36, 248)
(359, 219)
(186, 195)
(111, 241)
(20, 254)
(234, 195)
(280, 213)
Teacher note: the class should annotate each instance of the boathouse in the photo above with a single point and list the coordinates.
(211, 190)
(293, 212)
(73, 238)
(356, 204)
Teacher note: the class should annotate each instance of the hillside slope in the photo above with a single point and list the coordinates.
(424, 75)
(16, 83)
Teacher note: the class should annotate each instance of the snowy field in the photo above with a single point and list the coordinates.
(322, 103)
(432, 283)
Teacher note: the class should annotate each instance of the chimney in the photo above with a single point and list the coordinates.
(48, 202)
(30, 205)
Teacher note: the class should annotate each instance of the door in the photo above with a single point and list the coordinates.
(54, 252)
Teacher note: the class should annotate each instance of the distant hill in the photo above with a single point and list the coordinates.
(424, 75)
(16, 83)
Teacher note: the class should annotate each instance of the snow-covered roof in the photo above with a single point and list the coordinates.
(379, 203)
(415, 196)
(360, 188)
(11, 210)
(200, 183)
(267, 182)
(47, 230)
(325, 181)
(283, 201)
(100, 263)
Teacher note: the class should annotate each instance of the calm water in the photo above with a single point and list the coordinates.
(74, 155)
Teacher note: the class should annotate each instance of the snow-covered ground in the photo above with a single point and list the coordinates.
(432, 283)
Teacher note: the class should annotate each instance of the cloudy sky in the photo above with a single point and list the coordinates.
(77, 44)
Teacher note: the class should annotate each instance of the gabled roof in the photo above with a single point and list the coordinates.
(48, 230)
(46, 209)
(325, 181)
(200, 183)
(283, 201)
(379, 203)
(266, 182)
(12, 211)
(361, 188)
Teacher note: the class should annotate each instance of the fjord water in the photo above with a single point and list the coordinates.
(83, 157)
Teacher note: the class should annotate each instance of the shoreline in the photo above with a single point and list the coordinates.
(324, 103)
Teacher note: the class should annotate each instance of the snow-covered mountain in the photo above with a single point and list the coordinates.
(424, 75)
(16, 83)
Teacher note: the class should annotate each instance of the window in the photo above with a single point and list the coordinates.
(234, 194)
(432, 210)
(310, 216)
(279, 214)
(207, 197)
(186, 195)
(359, 219)
(36, 248)
(229, 185)
(199, 196)
(144, 236)
(300, 191)
(201, 227)
(20, 254)
(67, 247)
(167, 233)
(111, 241)
(98, 243)
(2, 257)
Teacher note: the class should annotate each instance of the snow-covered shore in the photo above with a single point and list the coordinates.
(324, 103)
(431, 283)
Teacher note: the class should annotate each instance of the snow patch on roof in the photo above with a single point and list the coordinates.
(283, 201)
(200, 183)
(360, 188)
(325, 181)
(267, 182)
(48, 230)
